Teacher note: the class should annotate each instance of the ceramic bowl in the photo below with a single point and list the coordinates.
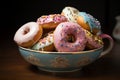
(59, 62)
(63, 61)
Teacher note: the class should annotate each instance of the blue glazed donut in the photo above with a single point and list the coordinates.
(88, 22)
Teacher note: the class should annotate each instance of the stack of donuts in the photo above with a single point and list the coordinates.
(68, 31)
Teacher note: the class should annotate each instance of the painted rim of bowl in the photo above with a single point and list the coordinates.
(81, 52)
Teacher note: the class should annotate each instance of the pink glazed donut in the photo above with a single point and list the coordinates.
(51, 21)
(93, 41)
(28, 34)
(69, 37)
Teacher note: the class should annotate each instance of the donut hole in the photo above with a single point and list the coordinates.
(70, 38)
(26, 31)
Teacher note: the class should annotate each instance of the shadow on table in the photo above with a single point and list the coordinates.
(100, 68)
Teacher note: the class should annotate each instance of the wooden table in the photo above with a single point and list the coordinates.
(14, 67)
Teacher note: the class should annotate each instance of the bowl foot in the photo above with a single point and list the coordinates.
(59, 69)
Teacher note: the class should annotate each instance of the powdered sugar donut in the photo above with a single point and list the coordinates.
(70, 13)
(51, 20)
(69, 37)
(28, 34)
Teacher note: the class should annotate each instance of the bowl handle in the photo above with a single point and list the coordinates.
(110, 46)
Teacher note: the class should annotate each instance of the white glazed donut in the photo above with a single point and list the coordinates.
(45, 44)
(70, 13)
(28, 34)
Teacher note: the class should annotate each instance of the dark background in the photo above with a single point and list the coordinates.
(16, 13)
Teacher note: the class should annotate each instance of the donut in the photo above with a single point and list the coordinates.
(51, 21)
(69, 37)
(89, 23)
(93, 41)
(28, 34)
(45, 44)
(70, 13)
